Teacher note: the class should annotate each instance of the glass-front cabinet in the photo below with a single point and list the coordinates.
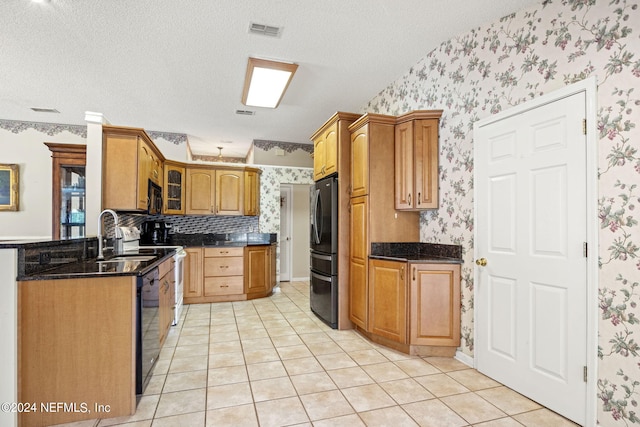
(68, 190)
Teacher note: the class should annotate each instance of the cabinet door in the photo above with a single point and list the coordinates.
(144, 171)
(358, 264)
(200, 191)
(251, 193)
(388, 299)
(273, 275)
(331, 150)
(229, 192)
(360, 162)
(256, 267)
(404, 173)
(426, 158)
(319, 155)
(193, 273)
(173, 189)
(435, 304)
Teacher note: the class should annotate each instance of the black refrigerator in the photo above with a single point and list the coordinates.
(324, 250)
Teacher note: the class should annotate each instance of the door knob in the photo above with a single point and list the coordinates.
(481, 262)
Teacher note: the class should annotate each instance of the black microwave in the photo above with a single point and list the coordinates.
(154, 200)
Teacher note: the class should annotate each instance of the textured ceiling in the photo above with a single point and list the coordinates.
(178, 66)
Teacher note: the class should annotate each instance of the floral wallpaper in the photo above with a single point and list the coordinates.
(520, 57)
(270, 181)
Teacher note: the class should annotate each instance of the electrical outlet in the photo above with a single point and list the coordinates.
(45, 258)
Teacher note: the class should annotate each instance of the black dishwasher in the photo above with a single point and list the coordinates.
(147, 329)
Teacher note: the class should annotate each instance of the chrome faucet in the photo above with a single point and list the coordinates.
(117, 242)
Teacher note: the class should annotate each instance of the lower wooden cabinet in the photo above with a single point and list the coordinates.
(388, 299)
(193, 277)
(414, 307)
(435, 304)
(214, 274)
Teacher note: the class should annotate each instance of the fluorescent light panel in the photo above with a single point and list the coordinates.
(266, 81)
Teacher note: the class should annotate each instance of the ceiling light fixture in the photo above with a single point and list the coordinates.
(266, 81)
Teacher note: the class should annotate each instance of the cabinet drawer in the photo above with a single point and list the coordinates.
(232, 285)
(224, 266)
(223, 251)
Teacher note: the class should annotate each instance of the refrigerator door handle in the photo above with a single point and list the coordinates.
(315, 217)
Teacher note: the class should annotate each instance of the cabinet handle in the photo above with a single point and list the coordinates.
(419, 198)
(224, 266)
(402, 273)
(224, 286)
(224, 252)
(414, 273)
(211, 208)
(409, 198)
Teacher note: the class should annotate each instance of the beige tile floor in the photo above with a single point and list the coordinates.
(271, 362)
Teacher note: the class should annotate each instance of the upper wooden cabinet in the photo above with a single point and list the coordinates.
(229, 192)
(201, 188)
(129, 161)
(328, 148)
(416, 160)
(173, 189)
(252, 192)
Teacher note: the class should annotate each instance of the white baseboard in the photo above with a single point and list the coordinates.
(464, 358)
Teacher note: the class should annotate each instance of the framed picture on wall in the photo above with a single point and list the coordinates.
(9, 188)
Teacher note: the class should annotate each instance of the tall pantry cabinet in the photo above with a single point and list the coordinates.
(332, 153)
(373, 217)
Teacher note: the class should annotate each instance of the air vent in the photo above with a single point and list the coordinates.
(45, 110)
(245, 112)
(265, 30)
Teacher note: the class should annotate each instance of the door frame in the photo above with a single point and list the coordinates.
(287, 190)
(590, 87)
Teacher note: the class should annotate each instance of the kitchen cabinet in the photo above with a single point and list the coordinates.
(325, 152)
(193, 274)
(68, 190)
(388, 299)
(76, 343)
(229, 192)
(373, 217)
(435, 305)
(414, 307)
(260, 270)
(201, 187)
(330, 146)
(166, 296)
(416, 160)
(129, 161)
(252, 192)
(223, 272)
(332, 153)
(229, 273)
(174, 189)
(222, 191)
(358, 304)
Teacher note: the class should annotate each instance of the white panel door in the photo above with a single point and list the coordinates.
(286, 221)
(530, 192)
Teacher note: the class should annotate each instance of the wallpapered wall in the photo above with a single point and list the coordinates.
(520, 57)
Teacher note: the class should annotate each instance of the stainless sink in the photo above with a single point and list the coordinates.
(129, 258)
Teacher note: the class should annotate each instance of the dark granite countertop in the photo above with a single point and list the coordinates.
(129, 266)
(415, 252)
(223, 239)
